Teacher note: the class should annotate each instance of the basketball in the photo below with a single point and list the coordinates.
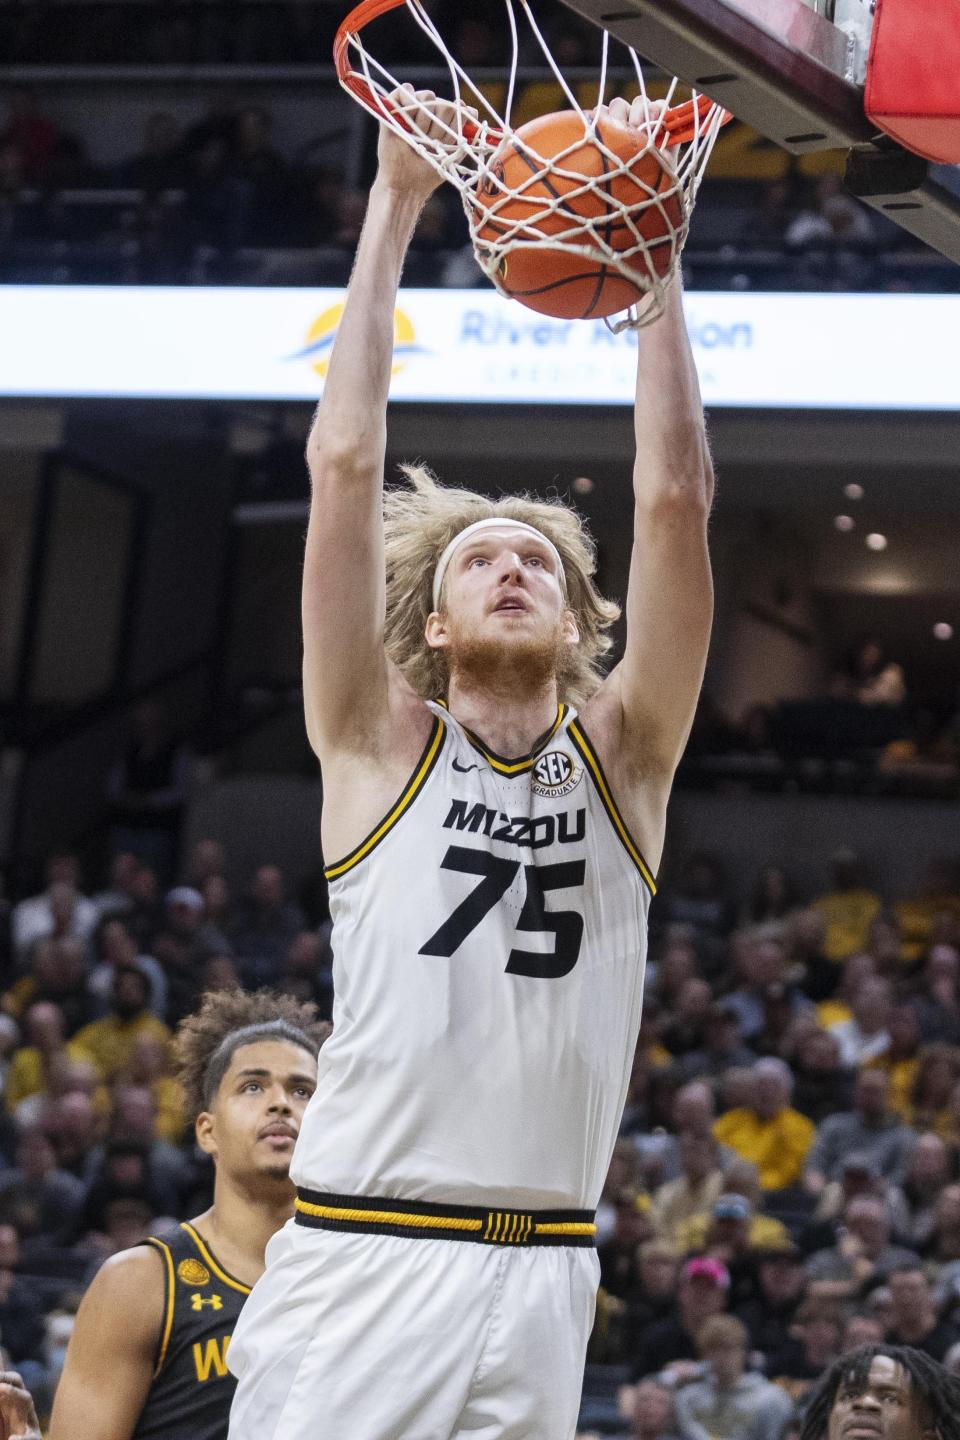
(554, 281)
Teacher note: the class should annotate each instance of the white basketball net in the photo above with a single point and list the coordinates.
(466, 148)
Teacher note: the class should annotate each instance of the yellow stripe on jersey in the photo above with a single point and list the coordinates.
(414, 785)
(526, 762)
(387, 1217)
(585, 750)
(218, 1270)
(498, 1227)
(168, 1302)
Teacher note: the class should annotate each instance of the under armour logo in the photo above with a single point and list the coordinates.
(198, 1301)
(465, 769)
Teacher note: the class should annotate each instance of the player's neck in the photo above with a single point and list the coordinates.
(238, 1224)
(509, 722)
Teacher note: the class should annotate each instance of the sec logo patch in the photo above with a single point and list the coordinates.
(191, 1272)
(555, 774)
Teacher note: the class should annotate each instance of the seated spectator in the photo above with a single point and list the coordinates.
(915, 1321)
(75, 1126)
(651, 1413)
(116, 947)
(217, 902)
(815, 1343)
(623, 1181)
(21, 1313)
(696, 1188)
(733, 1233)
(805, 938)
(110, 1041)
(885, 943)
(729, 1403)
(36, 1196)
(616, 1255)
(760, 962)
(183, 945)
(861, 1329)
(692, 1112)
(865, 1035)
(683, 1029)
(862, 1255)
(307, 971)
(901, 1058)
(769, 1132)
(650, 1295)
(938, 899)
(938, 1070)
(674, 964)
(133, 1121)
(264, 926)
(207, 858)
(60, 909)
(870, 1128)
(821, 1084)
(943, 1246)
(773, 896)
(701, 1293)
(847, 907)
(937, 1002)
(149, 1069)
(928, 1174)
(859, 1175)
(856, 969)
(721, 1049)
(58, 974)
(769, 1312)
(30, 1066)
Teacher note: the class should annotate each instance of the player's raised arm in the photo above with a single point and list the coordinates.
(345, 669)
(669, 607)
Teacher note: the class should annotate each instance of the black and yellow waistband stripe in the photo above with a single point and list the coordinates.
(585, 751)
(481, 1225)
(525, 762)
(414, 785)
(169, 1289)
(211, 1262)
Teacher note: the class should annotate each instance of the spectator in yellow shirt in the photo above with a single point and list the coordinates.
(768, 1132)
(150, 1068)
(111, 1040)
(847, 908)
(31, 1065)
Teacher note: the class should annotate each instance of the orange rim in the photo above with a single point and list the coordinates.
(680, 122)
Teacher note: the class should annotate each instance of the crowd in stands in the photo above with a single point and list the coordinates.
(219, 201)
(787, 1179)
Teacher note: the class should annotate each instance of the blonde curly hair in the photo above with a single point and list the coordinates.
(420, 520)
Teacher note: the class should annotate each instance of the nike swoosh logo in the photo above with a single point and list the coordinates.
(465, 769)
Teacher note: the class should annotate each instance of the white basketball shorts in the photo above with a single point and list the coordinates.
(386, 1337)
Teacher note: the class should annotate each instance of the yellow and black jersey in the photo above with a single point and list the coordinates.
(489, 941)
(192, 1388)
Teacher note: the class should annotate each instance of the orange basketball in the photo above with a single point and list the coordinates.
(554, 282)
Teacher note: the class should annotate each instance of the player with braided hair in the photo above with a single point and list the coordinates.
(147, 1358)
(884, 1392)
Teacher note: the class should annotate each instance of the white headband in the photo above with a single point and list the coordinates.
(493, 522)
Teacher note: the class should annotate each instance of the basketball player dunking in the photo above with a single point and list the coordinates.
(491, 867)
(147, 1357)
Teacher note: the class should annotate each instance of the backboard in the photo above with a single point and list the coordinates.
(796, 76)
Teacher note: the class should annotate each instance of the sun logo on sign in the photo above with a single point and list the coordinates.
(323, 332)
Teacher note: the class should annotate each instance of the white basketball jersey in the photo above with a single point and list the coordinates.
(489, 945)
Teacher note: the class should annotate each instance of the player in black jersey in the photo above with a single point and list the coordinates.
(147, 1358)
